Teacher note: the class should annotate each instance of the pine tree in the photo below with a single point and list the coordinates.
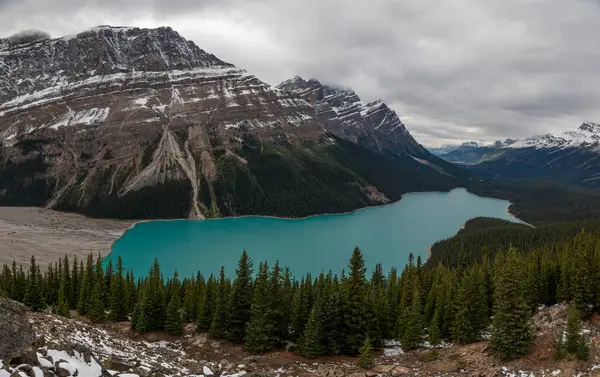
(573, 333)
(62, 304)
(108, 278)
(301, 306)
(365, 360)
(413, 334)
(333, 321)
(118, 309)
(241, 300)
(511, 329)
(310, 342)
(206, 309)
(259, 335)
(33, 294)
(277, 315)
(174, 321)
(151, 308)
(356, 301)
(74, 285)
(434, 336)
(96, 304)
(87, 284)
(219, 320)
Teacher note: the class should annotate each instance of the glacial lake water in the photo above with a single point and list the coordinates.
(385, 234)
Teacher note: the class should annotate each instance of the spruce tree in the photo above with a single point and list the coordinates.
(87, 284)
(356, 303)
(96, 303)
(206, 309)
(259, 335)
(413, 333)
(365, 360)
(433, 335)
(333, 321)
(311, 341)
(301, 306)
(241, 300)
(511, 329)
(62, 304)
(118, 308)
(33, 294)
(219, 320)
(573, 333)
(74, 284)
(174, 321)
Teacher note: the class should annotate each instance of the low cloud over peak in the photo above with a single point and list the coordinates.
(454, 70)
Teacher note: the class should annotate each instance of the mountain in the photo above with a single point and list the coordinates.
(142, 123)
(470, 152)
(571, 157)
(441, 150)
(372, 125)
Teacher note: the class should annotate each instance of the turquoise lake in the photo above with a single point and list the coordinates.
(385, 234)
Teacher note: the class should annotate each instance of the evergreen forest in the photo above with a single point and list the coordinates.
(461, 300)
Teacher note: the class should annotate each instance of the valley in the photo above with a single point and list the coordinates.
(158, 201)
(48, 234)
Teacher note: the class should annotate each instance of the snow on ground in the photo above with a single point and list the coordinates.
(76, 364)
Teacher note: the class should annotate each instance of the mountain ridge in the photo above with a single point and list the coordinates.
(373, 125)
(142, 123)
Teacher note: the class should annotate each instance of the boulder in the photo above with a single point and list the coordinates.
(27, 356)
(383, 368)
(116, 363)
(15, 329)
(399, 371)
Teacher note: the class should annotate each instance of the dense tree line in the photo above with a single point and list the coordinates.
(267, 308)
(487, 236)
(540, 201)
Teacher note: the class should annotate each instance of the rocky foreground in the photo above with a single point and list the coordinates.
(45, 345)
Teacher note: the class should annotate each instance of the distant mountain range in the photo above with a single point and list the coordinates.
(142, 123)
(570, 157)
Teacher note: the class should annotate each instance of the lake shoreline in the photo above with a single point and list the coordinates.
(425, 251)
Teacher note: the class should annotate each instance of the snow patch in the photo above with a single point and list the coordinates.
(86, 117)
(77, 363)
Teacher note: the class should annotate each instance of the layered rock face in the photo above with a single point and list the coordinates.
(373, 125)
(142, 123)
(128, 109)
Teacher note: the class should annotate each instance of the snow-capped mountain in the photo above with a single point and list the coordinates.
(586, 136)
(370, 124)
(572, 157)
(130, 122)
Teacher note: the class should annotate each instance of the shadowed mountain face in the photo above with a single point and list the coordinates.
(141, 123)
(372, 125)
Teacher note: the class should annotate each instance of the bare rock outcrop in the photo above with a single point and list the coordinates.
(16, 332)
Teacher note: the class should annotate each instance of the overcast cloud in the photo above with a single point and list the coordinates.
(454, 70)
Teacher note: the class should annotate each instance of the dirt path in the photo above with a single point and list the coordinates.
(47, 234)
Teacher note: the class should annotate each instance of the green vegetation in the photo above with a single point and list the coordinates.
(541, 202)
(485, 237)
(341, 314)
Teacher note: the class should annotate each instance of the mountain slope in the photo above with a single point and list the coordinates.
(571, 157)
(372, 125)
(141, 123)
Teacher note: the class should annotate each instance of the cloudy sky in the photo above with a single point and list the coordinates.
(454, 70)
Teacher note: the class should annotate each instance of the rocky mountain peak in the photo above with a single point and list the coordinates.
(371, 124)
(116, 112)
(590, 127)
